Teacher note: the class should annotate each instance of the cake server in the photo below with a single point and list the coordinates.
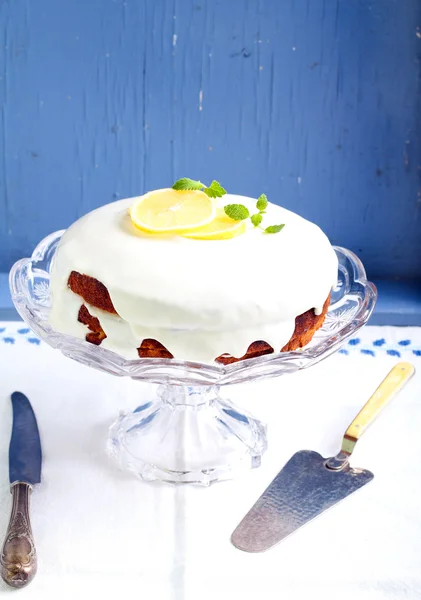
(18, 556)
(310, 484)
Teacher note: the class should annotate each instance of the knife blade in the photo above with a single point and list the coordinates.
(18, 557)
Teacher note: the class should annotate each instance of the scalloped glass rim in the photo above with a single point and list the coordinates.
(352, 303)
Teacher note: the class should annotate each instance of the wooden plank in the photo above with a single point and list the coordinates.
(399, 302)
(7, 310)
(314, 102)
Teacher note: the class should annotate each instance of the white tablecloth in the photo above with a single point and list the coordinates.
(101, 533)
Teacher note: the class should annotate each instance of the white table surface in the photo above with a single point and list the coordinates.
(101, 533)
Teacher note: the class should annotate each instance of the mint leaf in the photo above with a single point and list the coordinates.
(188, 184)
(274, 228)
(262, 202)
(215, 190)
(238, 212)
(256, 219)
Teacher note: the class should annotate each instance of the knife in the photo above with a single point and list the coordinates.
(18, 558)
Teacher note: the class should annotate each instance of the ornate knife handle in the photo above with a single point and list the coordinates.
(18, 556)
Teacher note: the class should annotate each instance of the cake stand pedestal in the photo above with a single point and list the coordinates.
(188, 433)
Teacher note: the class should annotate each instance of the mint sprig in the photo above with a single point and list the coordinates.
(262, 203)
(215, 190)
(274, 228)
(256, 219)
(239, 212)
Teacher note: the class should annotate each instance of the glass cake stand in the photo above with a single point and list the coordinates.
(188, 433)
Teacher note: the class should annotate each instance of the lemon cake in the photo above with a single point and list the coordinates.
(180, 273)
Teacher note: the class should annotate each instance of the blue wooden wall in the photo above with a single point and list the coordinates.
(315, 102)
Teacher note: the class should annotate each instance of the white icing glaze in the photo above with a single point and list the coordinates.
(199, 298)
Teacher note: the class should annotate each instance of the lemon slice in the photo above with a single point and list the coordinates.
(221, 228)
(172, 211)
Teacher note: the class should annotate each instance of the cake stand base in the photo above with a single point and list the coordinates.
(187, 434)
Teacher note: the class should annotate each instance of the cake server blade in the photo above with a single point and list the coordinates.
(310, 484)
